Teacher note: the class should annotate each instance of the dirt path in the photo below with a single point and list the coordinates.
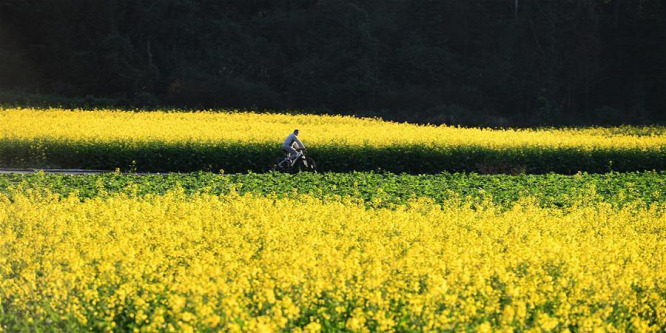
(63, 171)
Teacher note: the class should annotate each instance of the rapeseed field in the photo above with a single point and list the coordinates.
(318, 130)
(328, 252)
(245, 141)
(199, 262)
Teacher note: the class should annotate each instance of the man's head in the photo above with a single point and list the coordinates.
(296, 132)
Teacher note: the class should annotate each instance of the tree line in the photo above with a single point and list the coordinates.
(471, 62)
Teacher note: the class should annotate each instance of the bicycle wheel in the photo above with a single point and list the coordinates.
(307, 165)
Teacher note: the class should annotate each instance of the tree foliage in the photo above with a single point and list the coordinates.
(470, 62)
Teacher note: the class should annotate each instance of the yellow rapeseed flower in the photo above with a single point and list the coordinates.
(246, 263)
(247, 127)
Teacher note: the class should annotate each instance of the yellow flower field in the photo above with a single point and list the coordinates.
(163, 126)
(164, 141)
(261, 264)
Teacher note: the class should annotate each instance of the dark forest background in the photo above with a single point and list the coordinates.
(470, 62)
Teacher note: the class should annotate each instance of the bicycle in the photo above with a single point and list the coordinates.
(300, 163)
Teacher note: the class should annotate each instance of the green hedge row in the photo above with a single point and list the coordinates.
(243, 157)
(377, 189)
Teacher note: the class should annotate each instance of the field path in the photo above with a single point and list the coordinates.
(65, 171)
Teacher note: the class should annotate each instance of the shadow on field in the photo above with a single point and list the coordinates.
(242, 157)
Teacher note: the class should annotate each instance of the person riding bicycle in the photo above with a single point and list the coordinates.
(292, 145)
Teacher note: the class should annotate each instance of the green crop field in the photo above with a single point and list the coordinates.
(375, 189)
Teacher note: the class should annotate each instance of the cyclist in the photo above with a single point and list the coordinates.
(289, 144)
